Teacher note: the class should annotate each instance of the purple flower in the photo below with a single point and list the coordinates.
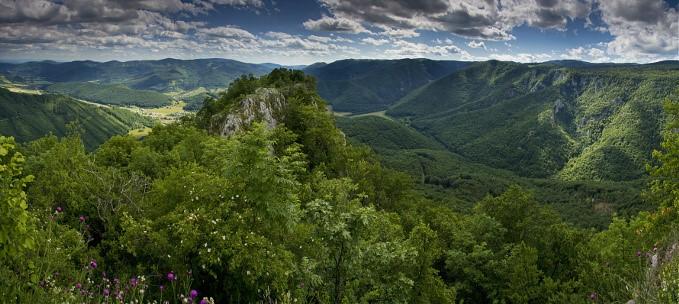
(162, 287)
(106, 292)
(78, 286)
(59, 209)
(93, 264)
(638, 253)
(593, 296)
(170, 276)
(82, 218)
(204, 301)
(134, 282)
(193, 293)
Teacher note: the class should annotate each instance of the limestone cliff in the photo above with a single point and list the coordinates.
(264, 105)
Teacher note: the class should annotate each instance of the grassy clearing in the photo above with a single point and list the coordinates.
(165, 115)
(141, 132)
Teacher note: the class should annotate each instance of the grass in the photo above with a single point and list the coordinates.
(140, 132)
(166, 114)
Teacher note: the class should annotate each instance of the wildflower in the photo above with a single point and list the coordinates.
(59, 209)
(82, 218)
(93, 264)
(162, 287)
(78, 286)
(204, 301)
(193, 293)
(171, 276)
(593, 296)
(134, 282)
(106, 292)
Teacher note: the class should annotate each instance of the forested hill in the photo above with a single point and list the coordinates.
(28, 117)
(544, 120)
(157, 75)
(360, 86)
(259, 198)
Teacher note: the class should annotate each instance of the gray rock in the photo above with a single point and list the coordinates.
(265, 105)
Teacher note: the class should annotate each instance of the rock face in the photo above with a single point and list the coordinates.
(265, 105)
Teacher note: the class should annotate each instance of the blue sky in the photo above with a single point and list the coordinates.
(307, 31)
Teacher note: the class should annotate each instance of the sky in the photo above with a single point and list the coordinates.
(295, 32)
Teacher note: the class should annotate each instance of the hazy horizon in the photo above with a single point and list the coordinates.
(308, 31)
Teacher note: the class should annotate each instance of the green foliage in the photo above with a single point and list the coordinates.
(16, 224)
(293, 213)
(361, 86)
(459, 183)
(110, 94)
(590, 123)
(28, 117)
(165, 75)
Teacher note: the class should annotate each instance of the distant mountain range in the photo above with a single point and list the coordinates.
(591, 122)
(567, 119)
(360, 86)
(159, 75)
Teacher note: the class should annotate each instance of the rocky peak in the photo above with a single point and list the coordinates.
(264, 105)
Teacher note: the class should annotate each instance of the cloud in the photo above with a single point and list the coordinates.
(226, 32)
(399, 33)
(470, 18)
(587, 54)
(375, 42)
(643, 30)
(330, 24)
(522, 57)
(405, 48)
(475, 45)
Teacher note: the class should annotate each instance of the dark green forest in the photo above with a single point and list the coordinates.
(28, 117)
(277, 205)
(110, 94)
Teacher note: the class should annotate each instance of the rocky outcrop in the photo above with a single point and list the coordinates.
(264, 105)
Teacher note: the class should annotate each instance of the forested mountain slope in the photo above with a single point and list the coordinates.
(360, 86)
(546, 120)
(260, 199)
(158, 75)
(113, 94)
(460, 182)
(28, 117)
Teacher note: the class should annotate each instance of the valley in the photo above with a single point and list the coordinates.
(485, 159)
(339, 151)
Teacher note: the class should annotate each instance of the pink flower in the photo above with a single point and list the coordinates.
(171, 276)
(93, 264)
(593, 296)
(82, 218)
